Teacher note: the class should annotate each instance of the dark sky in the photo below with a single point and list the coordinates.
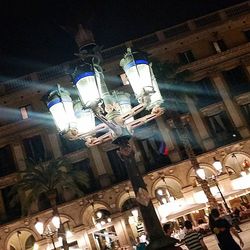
(32, 37)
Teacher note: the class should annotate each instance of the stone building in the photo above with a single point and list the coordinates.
(216, 113)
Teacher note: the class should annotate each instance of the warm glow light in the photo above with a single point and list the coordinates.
(56, 221)
(109, 220)
(217, 165)
(98, 225)
(99, 214)
(135, 213)
(35, 246)
(160, 191)
(201, 173)
(69, 234)
(243, 173)
(39, 227)
(171, 198)
(103, 222)
(164, 200)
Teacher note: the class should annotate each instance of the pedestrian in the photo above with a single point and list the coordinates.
(168, 229)
(193, 239)
(223, 231)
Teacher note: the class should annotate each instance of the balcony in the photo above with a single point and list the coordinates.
(238, 53)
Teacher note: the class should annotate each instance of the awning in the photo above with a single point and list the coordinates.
(231, 194)
(178, 208)
(185, 209)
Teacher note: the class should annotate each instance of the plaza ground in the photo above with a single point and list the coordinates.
(211, 241)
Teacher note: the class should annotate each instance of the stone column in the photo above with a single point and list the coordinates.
(199, 124)
(230, 106)
(53, 140)
(2, 208)
(173, 154)
(19, 155)
(100, 165)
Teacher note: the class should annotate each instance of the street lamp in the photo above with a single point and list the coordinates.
(218, 167)
(51, 232)
(115, 112)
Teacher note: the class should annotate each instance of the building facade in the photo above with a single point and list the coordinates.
(215, 110)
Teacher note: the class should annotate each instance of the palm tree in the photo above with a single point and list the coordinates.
(173, 83)
(50, 179)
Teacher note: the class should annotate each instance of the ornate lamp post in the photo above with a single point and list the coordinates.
(116, 115)
(218, 167)
(51, 232)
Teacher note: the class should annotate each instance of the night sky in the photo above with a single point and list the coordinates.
(33, 35)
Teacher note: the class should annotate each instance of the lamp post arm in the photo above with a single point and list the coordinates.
(117, 130)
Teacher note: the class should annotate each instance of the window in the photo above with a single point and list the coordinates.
(85, 166)
(192, 140)
(237, 80)
(205, 93)
(25, 111)
(186, 57)
(219, 46)
(13, 211)
(247, 34)
(222, 129)
(34, 148)
(154, 152)
(246, 112)
(7, 165)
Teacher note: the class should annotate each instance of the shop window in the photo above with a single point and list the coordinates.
(246, 112)
(25, 112)
(247, 35)
(222, 129)
(205, 93)
(219, 46)
(186, 57)
(237, 80)
(7, 164)
(118, 166)
(34, 148)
